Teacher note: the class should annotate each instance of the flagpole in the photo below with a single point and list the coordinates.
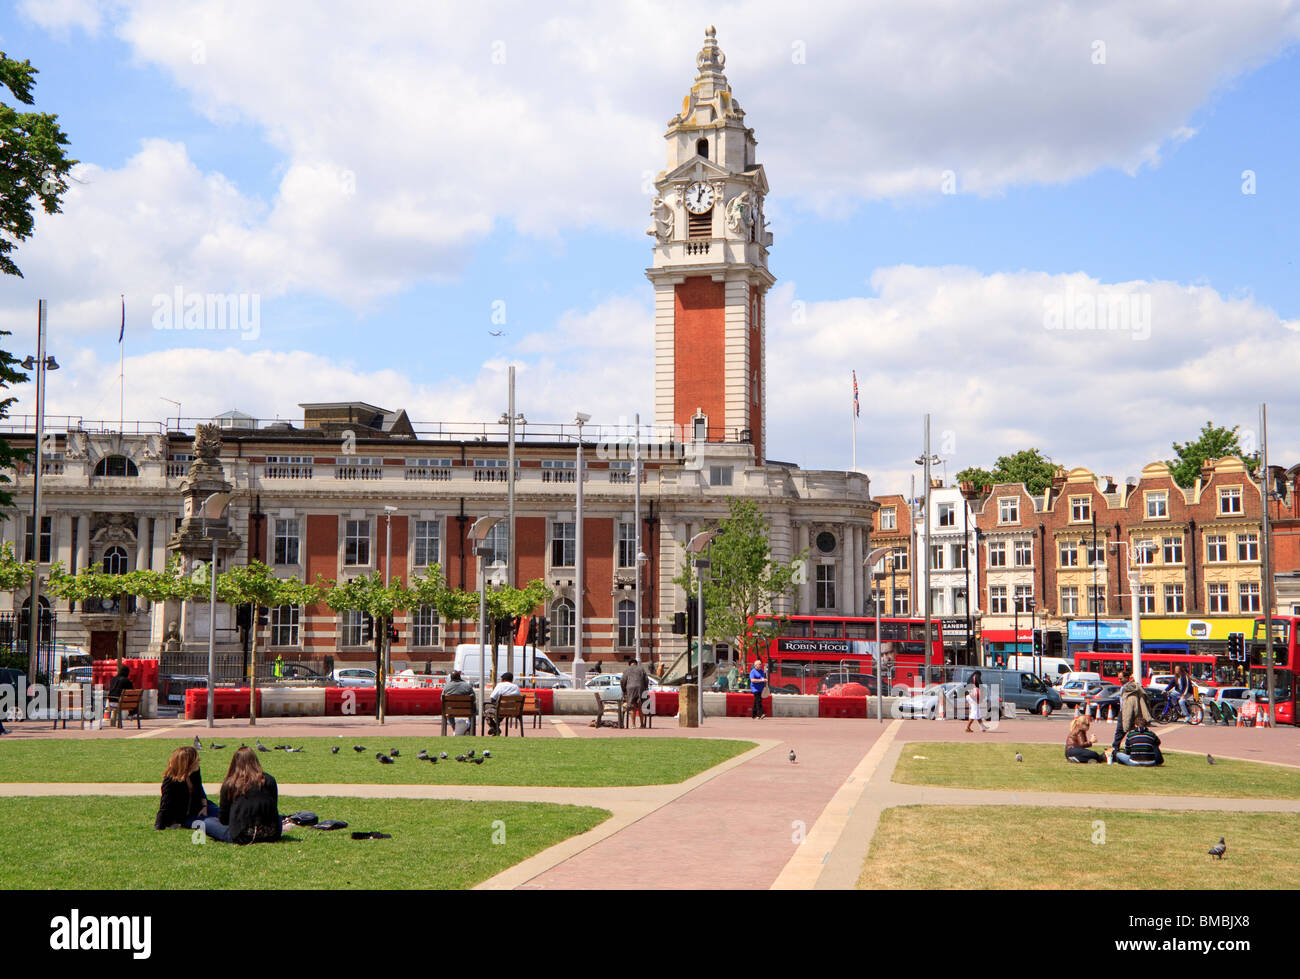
(121, 372)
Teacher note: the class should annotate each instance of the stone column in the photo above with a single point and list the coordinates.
(141, 542)
(63, 539)
(83, 542)
(159, 539)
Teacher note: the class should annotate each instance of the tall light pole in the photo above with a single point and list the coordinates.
(636, 516)
(509, 419)
(478, 537)
(386, 640)
(874, 556)
(40, 363)
(696, 546)
(1134, 583)
(925, 461)
(1266, 562)
(579, 559)
(211, 509)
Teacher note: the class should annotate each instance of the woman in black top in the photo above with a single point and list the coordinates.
(183, 799)
(250, 803)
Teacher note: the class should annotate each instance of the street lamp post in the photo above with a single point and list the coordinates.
(696, 546)
(638, 557)
(873, 557)
(579, 559)
(925, 461)
(1134, 583)
(386, 640)
(478, 537)
(211, 509)
(40, 363)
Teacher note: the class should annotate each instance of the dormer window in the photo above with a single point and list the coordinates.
(702, 148)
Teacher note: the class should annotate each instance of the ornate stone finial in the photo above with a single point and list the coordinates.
(207, 442)
(710, 57)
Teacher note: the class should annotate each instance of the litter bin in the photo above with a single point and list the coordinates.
(688, 705)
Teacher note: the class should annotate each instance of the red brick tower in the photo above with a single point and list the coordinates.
(710, 268)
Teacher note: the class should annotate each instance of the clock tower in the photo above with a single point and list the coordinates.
(710, 268)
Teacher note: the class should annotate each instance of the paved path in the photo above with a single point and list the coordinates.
(784, 825)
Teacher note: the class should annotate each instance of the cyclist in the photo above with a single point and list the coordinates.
(1181, 687)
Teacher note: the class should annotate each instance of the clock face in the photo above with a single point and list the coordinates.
(699, 198)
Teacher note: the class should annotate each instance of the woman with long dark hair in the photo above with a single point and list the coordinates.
(183, 799)
(250, 803)
(974, 703)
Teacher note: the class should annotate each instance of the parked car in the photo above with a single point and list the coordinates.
(1104, 701)
(1234, 696)
(926, 703)
(1075, 692)
(354, 676)
(610, 686)
(1027, 691)
(301, 672)
(79, 674)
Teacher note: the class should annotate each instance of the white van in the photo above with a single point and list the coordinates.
(530, 667)
(1047, 666)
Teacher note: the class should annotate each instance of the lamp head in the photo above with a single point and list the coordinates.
(581, 418)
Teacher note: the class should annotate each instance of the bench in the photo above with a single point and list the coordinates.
(459, 705)
(67, 701)
(127, 704)
(532, 708)
(511, 708)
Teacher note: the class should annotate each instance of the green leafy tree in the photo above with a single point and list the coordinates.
(15, 576)
(369, 595)
(1214, 442)
(507, 606)
(743, 580)
(1027, 466)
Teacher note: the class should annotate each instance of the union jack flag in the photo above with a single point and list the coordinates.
(856, 409)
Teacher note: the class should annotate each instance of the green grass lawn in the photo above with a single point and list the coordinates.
(1004, 847)
(516, 761)
(84, 842)
(994, 766)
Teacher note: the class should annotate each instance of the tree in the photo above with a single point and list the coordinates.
(744, 580)
(15, 575)
(256, 585)
(1214, 442)
(369, 595)
(1027, 466)
(507, 605)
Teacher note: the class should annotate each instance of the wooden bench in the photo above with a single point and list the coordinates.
(459, 705)
(511, 708)
(127, 704)
(532, 708)
(67, 701)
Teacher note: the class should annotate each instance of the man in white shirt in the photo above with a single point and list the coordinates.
(506, 688)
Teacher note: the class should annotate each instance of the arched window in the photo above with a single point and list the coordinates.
(115, 561)
(627, 622)
(562, 615)
(702, 148)
(116, 466)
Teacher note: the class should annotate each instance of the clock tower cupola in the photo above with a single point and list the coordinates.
(710, 267)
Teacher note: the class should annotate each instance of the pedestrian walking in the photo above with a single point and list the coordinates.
(974, 703)
(757, 683)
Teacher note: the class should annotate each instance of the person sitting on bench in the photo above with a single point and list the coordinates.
(120, 683)
(506, 688)
(183, 800)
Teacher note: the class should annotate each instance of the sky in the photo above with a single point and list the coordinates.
(958, 192)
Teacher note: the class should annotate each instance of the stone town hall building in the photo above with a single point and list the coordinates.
(310, 499)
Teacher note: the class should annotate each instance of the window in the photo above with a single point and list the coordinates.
(562, 616)
(1173, 598)
(1008, 510)
(959, 601)
(889, 518)
(620, 471)
(900, 603)
(1097, 600)
(1248, 547)
(900, 558)
(998, 554)
(936, 557)
(998, 599)
(115, 561)
(356, 543)
(702, 148)
(1173, 550)
(491, 470)
(1024, 597)
(286, 543)
(353, 633)
(936, 601)
(627, 623)
(1069, 554)
(428, 544)
(626, 544)
(1217, 597)
(1248, 595)
(424, 626)
(47, 537)
(559, 470)
(1096, 555)
(1147, 599)
(720, 475)
(116, 466)
(1216, 548)
(1230, 500)
(826, 586)
(826, 542)
(947, 515)
(1157, 505)
(1081, 509)
(1024, 554)
(284, 625)
(959, 556)
(563, 543)
(498, 542)
(1070, 600)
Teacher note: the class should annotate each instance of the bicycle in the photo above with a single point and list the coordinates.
(1165, 711)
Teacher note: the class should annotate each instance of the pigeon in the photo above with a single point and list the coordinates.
(1019, 756)
(487, 754)
(289, 751)
(215, 747)
(358, 748)
(423, 755)
(792, 759)
(433, 759)
(477, 761)
(1219, 849)
(383, 759)
(393, 752)
(198, 745)
(470, 753)
(443, 756)
(262, 747)
(1210, 759)
(334, 750)
(460, 758)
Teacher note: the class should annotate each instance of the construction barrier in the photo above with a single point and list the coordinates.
(290, 701)
(144, 672)
(663, 702)
(575, 702)
(413, 700)
(794, 705)
(842, 707)
(227, 702)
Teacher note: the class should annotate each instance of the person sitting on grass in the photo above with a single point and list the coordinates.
(1133, 707)
(506, 688)
(1141, 748)
(250, 804)
(183, 799)
(1079, 742)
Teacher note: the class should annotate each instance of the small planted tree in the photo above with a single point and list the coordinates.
(508, 605)
(369, 595)
(15, 576)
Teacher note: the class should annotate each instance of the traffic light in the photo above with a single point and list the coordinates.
(1237, 647)
(367, 630)
(679, 623)
(263, 615)
(1038, 642)
(532, 632)
(392, 634)
(692, 617)
(543, 631)
(243, 616)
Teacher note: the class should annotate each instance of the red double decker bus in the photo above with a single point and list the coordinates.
(1207, 669)
(807, 653)
(1283, 643)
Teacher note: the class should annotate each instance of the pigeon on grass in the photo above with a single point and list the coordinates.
(1219, 849)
